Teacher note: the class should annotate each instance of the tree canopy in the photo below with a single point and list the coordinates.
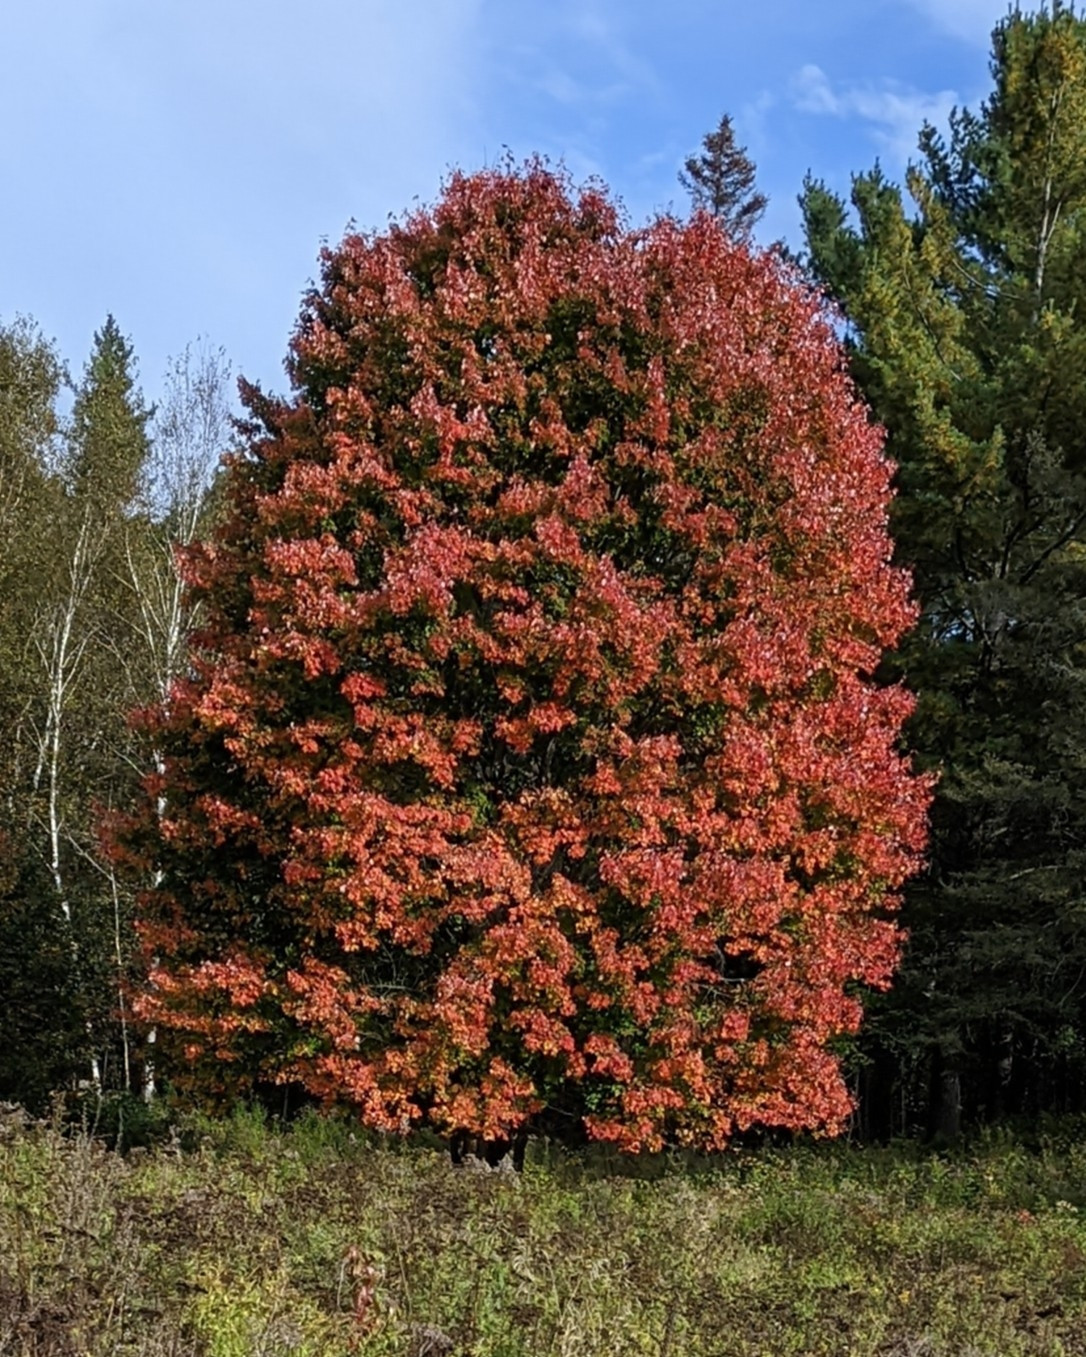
(530, 769)
(963, 322)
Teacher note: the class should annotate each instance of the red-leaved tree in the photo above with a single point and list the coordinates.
(529, 770)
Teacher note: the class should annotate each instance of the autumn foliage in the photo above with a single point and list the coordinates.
(529, 770)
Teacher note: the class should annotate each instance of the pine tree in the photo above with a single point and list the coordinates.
(721, 181)
(965, 329)
(91, 626)
(109, 436)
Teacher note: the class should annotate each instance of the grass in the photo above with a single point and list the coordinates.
(235, 1240)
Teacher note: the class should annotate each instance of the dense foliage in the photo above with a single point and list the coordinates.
(965, 331)
(66, 488)
(529, 770)
(500, 418)
(87, 515)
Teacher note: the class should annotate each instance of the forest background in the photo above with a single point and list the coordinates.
(959, 302)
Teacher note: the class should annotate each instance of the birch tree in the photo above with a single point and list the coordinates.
(78, 722)
(42, 1036)
(190, 432)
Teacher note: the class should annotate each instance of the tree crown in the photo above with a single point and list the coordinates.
(530, 769)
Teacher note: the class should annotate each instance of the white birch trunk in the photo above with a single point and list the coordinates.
(191, 432)
(61, 648)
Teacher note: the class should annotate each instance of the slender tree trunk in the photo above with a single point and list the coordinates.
(61, 651)
(191, 430)
(121, 1010)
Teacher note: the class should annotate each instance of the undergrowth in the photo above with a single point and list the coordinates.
(233, 1239)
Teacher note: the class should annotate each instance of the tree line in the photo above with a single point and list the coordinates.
(958, 301)
(960, 298)
(93, 626)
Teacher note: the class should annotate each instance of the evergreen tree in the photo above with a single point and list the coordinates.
(964, 322)
(81, 635)
(721, 180)
(109, 436)
(105, 519)
(91, 626)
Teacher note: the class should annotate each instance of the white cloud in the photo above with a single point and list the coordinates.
(895, 111)
(812, 92)
(970, 20)
(605, 31)
(563, 89)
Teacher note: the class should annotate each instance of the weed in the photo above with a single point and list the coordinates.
(237, 1239)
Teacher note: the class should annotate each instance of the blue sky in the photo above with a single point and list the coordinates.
(178, 162)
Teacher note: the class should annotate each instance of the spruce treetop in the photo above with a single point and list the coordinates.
(721, 181)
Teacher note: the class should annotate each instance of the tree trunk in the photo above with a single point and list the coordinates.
(948, 1107)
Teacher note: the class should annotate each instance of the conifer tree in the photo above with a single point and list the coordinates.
(721, 181)
(109, 434)
(92, 625)
(966, 334)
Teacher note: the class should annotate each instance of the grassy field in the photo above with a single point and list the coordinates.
(234, 1240)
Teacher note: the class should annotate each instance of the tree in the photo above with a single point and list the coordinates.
(109, 436)
(964, 332)
(191, 431)
(43, 1037)
(76, 722)
(91, 624)
(527, 769)
(192, 428)
(31, 377)
(721, 180)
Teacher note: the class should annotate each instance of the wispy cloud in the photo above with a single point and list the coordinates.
(564, 89)
(592, 25)
(895, 112)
